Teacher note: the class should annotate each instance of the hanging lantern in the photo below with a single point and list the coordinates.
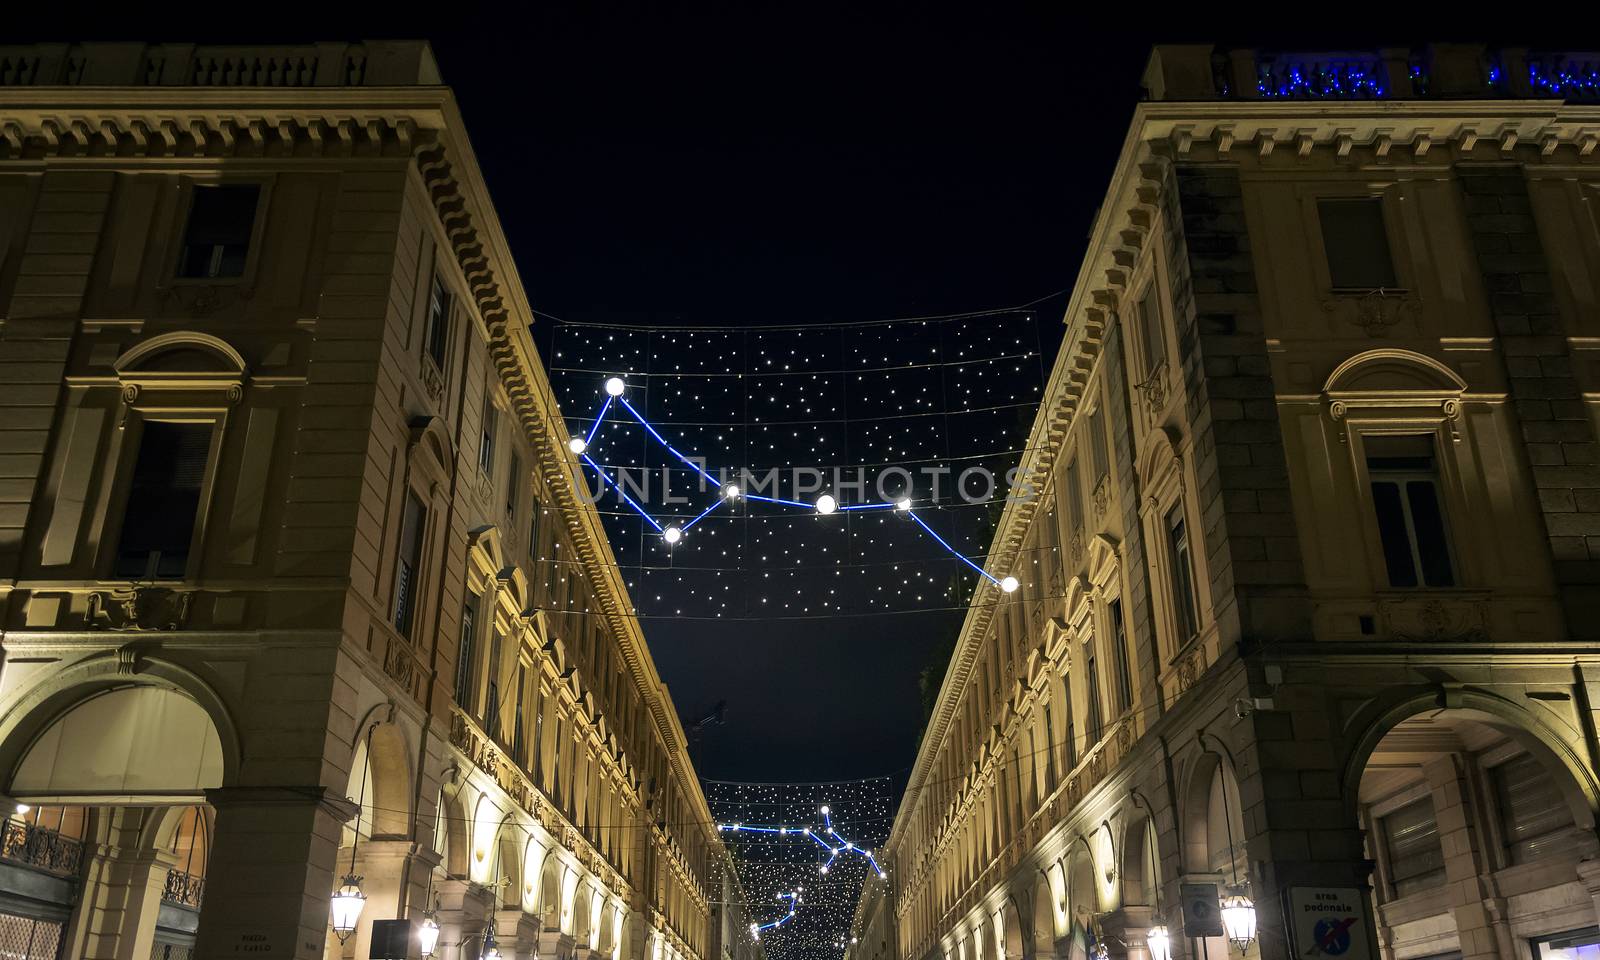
(1158, 942)
(491, 950)
(428, 935)
(346, 907)
(1239, 919)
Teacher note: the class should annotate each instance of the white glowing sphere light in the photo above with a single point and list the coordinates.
(577, 445)
(615, 386)
(826, 504)
(672, 534)
(1009, 584)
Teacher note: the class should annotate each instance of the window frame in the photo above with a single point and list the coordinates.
(179, 231)
(437, 282)
(127, 458)
(1311, 195)
(1452, 501)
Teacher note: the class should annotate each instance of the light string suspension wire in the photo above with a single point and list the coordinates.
(616, 388)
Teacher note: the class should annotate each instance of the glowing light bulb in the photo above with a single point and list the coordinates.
(1009, 584)
(823, 868)
(615, 386)
(672, 534)
(826, 504)
(825, 811)
(577, 445)
(731, 491)
(904, 504)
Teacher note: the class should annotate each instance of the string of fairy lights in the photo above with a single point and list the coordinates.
(731, 492)
(800, 871)
(902, 409)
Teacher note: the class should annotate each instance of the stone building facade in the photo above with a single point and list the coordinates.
(295, 577)
(1309, 582)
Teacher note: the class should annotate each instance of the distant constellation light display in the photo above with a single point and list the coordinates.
(802, 877)
(671, 533)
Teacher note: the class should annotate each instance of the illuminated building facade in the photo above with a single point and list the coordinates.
(1308, 623)
(296, 581)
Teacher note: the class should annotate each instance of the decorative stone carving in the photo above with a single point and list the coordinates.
(1374, 311)
(1101, 496)
(1435, 620)
(1154, 390)
(201, 300)
(432, 380)
(139, 608)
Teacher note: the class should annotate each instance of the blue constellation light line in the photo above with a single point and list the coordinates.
(793, 897)
(672, 533)
(834, 845)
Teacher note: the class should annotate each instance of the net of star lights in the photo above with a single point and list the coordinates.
(802, 852)
(801, 472)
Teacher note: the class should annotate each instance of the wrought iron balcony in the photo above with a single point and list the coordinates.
(184, 889)
(37, 847)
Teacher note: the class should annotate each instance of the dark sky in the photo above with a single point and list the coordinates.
(733, 172)
(811, 164)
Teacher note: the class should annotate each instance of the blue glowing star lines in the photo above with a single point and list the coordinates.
(825, 837)
(729, 492)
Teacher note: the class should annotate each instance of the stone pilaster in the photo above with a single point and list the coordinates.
(1557, 433)
(1252, 548)
(517, 932)
(272, 872)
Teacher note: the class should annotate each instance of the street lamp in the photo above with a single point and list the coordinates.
(1239, 919)
(491, 950)
(428, 935)
(1159, 942)
(346, 907)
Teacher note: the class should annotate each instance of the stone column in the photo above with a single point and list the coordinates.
(555, 945)
(464, 911)
(271, 872)
(383, 866)
(121, 896)
(517, 932)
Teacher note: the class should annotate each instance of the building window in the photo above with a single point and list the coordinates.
(1155, 350)
(1097, 443)
(163, 501)
(469, 625)
(513, 485)
(1050, 751)
(1405, 497)
(1411, 837)
(438, 334)
(1581, 944)
(216, 240)
(519, 752)
(405, 589)
(534, 513)
(1183, 599)
(486, 432)
(1093, 717)
(1119, 657)
(1357, 244)
(1074, 496)
(1534, 817)
(1071, 738)
(491, 701)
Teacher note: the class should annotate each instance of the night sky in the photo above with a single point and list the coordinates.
(811, 165)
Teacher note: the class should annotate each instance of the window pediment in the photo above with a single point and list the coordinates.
(1386, 372)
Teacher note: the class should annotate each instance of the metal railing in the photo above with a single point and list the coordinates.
(37, 847)
(183, 889)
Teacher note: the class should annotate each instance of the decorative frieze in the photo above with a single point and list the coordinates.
(139, 608)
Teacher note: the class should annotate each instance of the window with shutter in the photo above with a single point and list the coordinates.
(1411, 836)
(1534, 817)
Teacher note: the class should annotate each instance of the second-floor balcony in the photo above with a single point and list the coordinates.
(37, 847)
